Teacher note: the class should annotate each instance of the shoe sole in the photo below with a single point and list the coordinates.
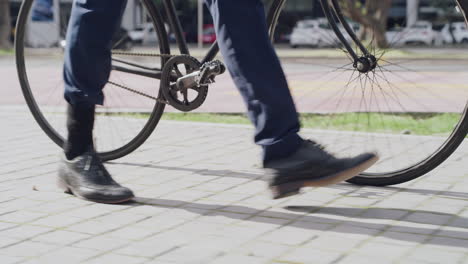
(292, 188)
(66, 189)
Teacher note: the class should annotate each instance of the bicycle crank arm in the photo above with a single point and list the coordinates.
(204, 76)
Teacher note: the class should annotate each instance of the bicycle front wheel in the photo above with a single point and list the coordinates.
(412, 108)
(131, 110)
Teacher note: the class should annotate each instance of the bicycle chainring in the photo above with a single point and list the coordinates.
(184, 99)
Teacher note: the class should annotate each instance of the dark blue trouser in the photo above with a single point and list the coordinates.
(244, 44)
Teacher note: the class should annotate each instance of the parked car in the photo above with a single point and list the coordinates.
(144, 34)
(209, 34)
(121, 41)
(459, 31)
(422, 32)
(317, 33)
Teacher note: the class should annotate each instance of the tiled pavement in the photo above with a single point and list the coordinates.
(202, 199)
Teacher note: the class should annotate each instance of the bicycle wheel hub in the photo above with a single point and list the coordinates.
(365, 64)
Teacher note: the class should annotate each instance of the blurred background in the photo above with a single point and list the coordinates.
(430, 17)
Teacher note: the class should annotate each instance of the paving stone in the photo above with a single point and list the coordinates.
(351, 231)
(333, 242)
(10, 260)
(223, 217)
(208, 204)
(271, 249)
(70, 254)
(27, 249)
(412, 228)
(149, 249)
(86, 212)
(397, 238)
(308, 255)
(60, 237)
(235, 259)
(449, 243)
(383, 250)
(93, 227)
(288, 236)
(454, 232)
(354, 258)
(131, 233)
(103, 242)
(6, 241)
(198, 254)
(56, 221)
(428, 218)
(430, 254)
(21, 217)
(54, 207)
(114, 258)
(25, 231)
(4, 225)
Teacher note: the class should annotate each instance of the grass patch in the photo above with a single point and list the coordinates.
(208, 117)
(6, 52)
(416, 124)
(389, 54)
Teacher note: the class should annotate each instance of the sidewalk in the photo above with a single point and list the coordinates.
(202, 199)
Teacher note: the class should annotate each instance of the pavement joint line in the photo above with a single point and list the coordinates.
(29, 159)
(165, 252)
(110, 251)
(27, 168)
(72, 243)
(308, 213)
(465, 258)
(23, 178)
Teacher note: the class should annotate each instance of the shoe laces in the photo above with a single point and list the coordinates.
(320, 146)
(94, 164)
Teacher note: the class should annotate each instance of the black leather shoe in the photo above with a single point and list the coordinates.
(312, 166)
(87, 178)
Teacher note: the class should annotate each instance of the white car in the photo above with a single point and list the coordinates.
(460, 33)
(316, 33)
(144, 34)
(422, 32)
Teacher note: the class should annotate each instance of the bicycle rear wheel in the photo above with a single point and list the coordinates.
(412, 108)
(131, 110)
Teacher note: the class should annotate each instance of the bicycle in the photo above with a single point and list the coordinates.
(374, 98)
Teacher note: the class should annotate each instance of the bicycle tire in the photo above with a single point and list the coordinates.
(156, 112)
(419, 169)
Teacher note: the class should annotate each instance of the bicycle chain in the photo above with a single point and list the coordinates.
(141, 54)
(159, 100)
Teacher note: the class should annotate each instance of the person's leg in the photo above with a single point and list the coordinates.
(249, 55)
(257, 73)
(92, 26)
(87, 67)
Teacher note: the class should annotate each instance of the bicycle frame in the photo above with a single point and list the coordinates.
(176, 27)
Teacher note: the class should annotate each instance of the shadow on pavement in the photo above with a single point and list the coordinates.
(201, 172)
(351, 225)
(375, 192)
